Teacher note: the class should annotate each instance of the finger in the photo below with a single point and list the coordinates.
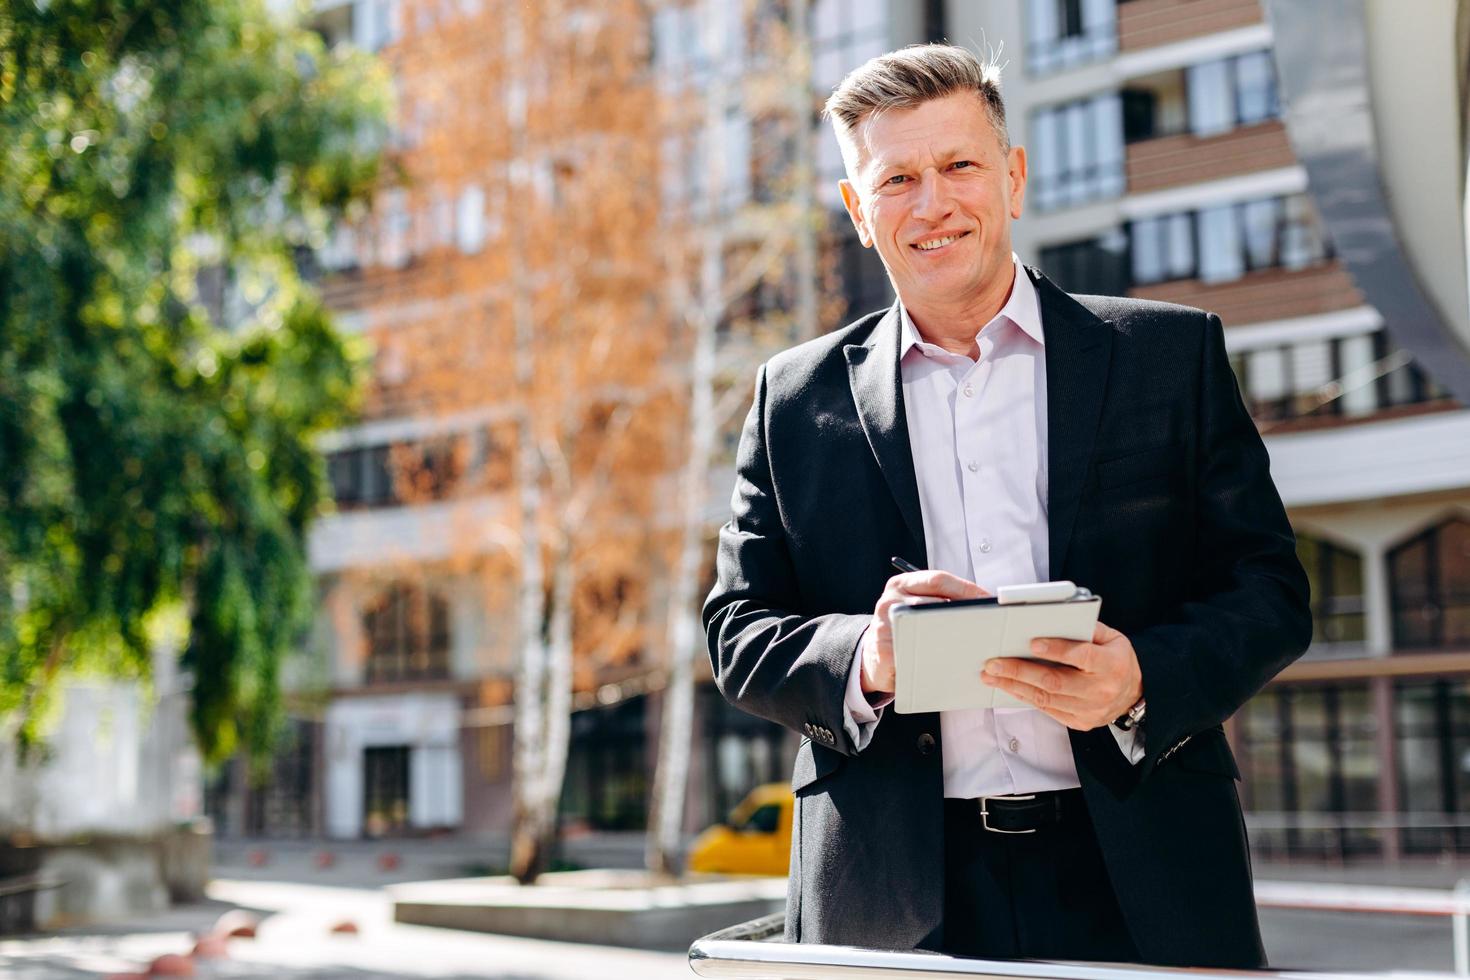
(1057, 680)
(937, 583)
(1041, 690)
(1053, 704)
(1103, 633)
(1074, 653)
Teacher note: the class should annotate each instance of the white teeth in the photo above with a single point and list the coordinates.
(937, 243)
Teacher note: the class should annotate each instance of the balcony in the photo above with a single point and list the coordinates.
(1150, 23)
(1172, 161)
(1266, 294)
(397, 536)
(1381, 457)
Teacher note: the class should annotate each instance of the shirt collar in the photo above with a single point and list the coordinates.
(1023, 308)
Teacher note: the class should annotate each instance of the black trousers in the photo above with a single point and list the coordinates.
(1044, 895)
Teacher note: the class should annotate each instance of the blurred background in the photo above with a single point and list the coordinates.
(371, 373)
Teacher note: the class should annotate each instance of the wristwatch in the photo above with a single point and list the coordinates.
(1134, 716)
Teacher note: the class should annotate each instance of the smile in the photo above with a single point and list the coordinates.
(934, 243)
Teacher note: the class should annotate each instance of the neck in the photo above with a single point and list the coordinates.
(955, 324)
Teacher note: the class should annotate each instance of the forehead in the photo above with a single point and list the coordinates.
(936, 129)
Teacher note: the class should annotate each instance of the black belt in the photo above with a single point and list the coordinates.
(1025, 814)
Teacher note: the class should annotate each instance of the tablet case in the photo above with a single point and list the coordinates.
(940, 648)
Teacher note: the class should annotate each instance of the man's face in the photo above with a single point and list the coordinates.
(932, 190)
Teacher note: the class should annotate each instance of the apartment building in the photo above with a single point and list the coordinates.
(1195, 152)
(1182, 150)
(401, 701)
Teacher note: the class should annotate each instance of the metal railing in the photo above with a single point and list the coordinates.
(754, 950)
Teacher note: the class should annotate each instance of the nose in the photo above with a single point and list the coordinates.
(932, 202)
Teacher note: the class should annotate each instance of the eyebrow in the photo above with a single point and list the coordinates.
(882, 168)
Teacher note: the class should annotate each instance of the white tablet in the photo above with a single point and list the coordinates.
(940, 648)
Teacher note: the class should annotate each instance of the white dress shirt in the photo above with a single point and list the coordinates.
(979, 439)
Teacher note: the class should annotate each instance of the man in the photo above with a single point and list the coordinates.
(994, 430)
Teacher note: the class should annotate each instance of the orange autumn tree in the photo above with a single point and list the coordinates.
(745, 280)
(541, 328)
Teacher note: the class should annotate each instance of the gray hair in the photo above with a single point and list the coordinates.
(910, 77)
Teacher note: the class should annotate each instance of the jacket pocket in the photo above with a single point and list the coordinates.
(1137, 467)
(813, 762)
(1208, 751)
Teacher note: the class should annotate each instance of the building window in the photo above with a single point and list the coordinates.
(1432, 736)
(742, 752)
(375, 23)
(360, 477)
(1429, 578)
(1224, 242)
(606, 785)
(1077, 152)
(1310, 768)
(1163, 248)
(1336, 577)
(1064, 33)
(407, 632)
(469, 220)
(1098, 265)
(865, 284)
(679, 36)
(845, 33)
(1206, 99)
(1349, 377)
(385, 779)
(414, 472)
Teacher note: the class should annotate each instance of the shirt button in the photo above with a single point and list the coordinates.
(1014, 744)
(972, 465)
(985, 545)
(969, 389)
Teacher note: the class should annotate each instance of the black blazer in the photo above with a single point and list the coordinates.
(1160, 500)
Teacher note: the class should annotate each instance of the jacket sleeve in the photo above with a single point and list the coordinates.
(1247, 615)
(769, 658)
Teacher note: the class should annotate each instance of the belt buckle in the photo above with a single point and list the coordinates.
(985, 814)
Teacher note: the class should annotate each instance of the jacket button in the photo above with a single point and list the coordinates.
(925, 745)
(806, 729)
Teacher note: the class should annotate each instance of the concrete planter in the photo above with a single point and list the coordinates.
(618, 908)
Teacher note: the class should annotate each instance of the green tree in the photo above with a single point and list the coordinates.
(156, 437)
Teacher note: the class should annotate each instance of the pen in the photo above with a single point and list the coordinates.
(904, 566)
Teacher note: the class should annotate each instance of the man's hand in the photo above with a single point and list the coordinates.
(877, 653)
(1090, 686)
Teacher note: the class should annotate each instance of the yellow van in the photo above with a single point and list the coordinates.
(755, 840)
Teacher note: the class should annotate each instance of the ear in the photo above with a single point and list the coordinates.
(854, 204)
(1016, 169)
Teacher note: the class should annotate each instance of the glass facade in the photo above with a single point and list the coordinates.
(1329, 377)
(1098, 266)
(407, 630)
(1224, 242)
(1076, 152)
(1432, 743)
(1336, 577)
(1310, 770)
(1430, 578)
(1066, 33)
(1204, 99)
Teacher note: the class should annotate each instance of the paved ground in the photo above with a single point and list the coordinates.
(295, 943)
(299, 902)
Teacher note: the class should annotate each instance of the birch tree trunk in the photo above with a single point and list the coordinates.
(534, 801)
(676, 729)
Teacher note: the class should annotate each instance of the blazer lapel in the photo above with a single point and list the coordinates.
(1078, 348)
(873, 372)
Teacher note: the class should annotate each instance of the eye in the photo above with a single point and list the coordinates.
(958, 164)
(895, 180)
